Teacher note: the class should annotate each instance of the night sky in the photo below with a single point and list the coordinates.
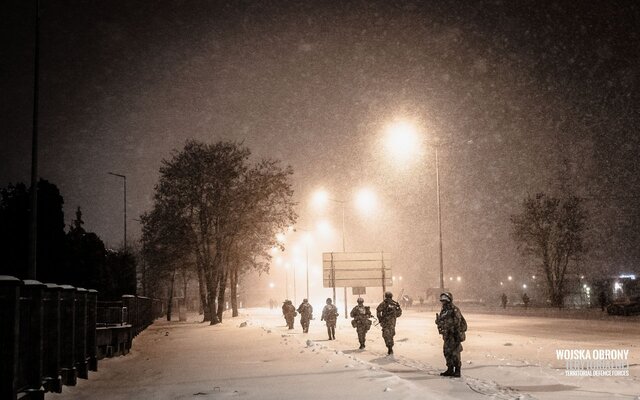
(528, 96)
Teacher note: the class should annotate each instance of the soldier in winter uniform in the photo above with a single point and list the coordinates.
(306, 314)
(387, 312)
(289, 312)
(361, 321)
(452, 326)
(330, 315)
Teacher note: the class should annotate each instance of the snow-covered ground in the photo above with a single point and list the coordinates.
(254, 356)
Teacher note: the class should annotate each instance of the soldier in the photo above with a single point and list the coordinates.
(306, 314)
(330, 315)
(602, 299)
(452, 326)
(525, 300)
(503, 300)
(387, 312)
(289, 312)
(361, 321)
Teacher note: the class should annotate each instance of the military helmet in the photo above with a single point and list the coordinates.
(305, 300)
(360, 300)
(388, 295)
(446, 296)
(328, 300)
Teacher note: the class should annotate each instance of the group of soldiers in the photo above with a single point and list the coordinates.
(450, 322)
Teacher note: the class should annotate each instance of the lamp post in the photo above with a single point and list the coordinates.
(439, 218)
(403, 139)
(33, 215)
(124, 183)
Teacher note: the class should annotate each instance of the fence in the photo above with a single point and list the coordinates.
(51, 335)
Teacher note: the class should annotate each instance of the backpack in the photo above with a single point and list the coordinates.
(390, 310)
(463, 328)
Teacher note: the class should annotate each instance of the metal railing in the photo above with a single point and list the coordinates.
(51, 335)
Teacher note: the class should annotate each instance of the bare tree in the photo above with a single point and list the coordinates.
(552, 230)
(222, 201)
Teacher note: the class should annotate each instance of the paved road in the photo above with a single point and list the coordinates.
(505, 357)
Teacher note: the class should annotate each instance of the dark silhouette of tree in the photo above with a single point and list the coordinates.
(120, 275)
(14, 231)
(222, 201)
(167, 249)
(86, 258)
(552, 230)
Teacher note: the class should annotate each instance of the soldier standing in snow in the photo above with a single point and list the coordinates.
(289, 312)
(306, 314)
(330, 315)
(387, 312)
(452, 326)
(525, 301)
(503, 300)
(361, 321)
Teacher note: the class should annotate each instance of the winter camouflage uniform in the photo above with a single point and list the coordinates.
(452, 327)
(306, 314)
(330, 315)
(387, 312)
(289, 312)
(361, 321)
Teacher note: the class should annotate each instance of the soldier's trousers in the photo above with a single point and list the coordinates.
(305, 324)
(451, 349)
(388, 332)
(362, 333)
(289, 322)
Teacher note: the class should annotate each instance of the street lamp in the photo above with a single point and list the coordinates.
(124, 183)
(365, 200)
(306, 239)
(402, 139)
(320, 198)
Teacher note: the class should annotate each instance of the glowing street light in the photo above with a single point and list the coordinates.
(366, 201)
(320, 199)
(402, 140)
(324, 228)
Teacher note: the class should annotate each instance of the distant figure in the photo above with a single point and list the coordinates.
(330, 315)
(525, 301)
(503, 300)
(406, 301)
(387, 312)
(289, 312)
(452, 326)
(421, 300)
(306, 314)
(272, 303)
(602, 299)
(361, 321)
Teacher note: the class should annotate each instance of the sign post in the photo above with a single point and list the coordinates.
(356, 270)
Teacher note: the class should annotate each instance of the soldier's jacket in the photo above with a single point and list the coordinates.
(330, 313)
(451, 323)
(388, 311)
(361, 315)
(305, 310)
(288, 310)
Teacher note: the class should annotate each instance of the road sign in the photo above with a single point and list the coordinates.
(358, 290)
(356, 269)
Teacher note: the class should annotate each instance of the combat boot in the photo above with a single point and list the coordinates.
(456, 372)
(448, 372)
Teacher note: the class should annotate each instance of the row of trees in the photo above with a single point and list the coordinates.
(72, 256)
(217, 214)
